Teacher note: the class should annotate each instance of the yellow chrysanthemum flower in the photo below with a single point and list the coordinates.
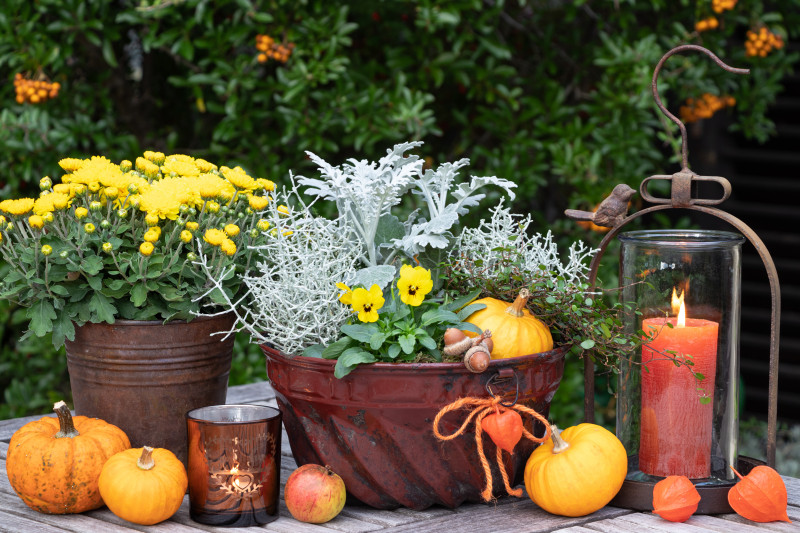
(50, 202)
(70, 164)
(414, 284)
(347, 296)
(146, 248)
(94, 173)
(148, 168)
(36, 221)
(232, 230)
(192, 225)
(204, 166)
(228, 247)
(367, 302)
(283, 210)
(212, 186)
(179, 167)
(265, 184)
(18, 207)
(257, 203)
(239, 179)
(165, 197)
(186, 235)
(263, 225)
(62, 188)
(151, 236)
(214, 237)
(81, 212)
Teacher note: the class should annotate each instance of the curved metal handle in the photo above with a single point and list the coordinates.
(673, 118)
(504, 374)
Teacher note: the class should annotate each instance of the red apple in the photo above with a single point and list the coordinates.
(314, 494)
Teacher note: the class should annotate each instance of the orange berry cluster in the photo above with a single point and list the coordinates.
(762, 42)
(34, 91)
(721, 5)
(269, 49)
(704, 107)
(710, 23)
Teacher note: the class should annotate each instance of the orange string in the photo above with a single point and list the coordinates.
(481, 407)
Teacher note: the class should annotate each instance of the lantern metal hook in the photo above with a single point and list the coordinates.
(673, 118)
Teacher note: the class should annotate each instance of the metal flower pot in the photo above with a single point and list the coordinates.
(374, 427)
(143, 376)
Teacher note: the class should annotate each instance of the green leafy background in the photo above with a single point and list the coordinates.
(552, 95)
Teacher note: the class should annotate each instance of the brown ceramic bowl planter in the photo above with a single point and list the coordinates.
(144, 375)
(374, 427)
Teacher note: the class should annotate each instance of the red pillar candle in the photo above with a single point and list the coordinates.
(675, 424)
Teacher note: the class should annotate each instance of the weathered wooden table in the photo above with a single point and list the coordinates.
(506, 515)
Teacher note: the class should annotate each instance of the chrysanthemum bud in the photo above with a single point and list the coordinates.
(94, 186)
(191, 256)
(186, 236)
(63, 254)
(48, 217)
(151, 219)
(122, 213)
(111, 192)
(133, 188)
(192, 211)
(254, 233)
(36, 221)
(107, 247)
(192, 225)
(45, 183)
(88, 227)
(47, 249)
(81, 212)
(263, 225)
(146, 248)
(95, 206)
(105, 224)
(183, 208)
(151, 236)
(212, 207)
(232, 230)
(125, 165)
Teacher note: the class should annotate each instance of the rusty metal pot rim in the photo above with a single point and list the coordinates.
(326, 365)
(133, 322)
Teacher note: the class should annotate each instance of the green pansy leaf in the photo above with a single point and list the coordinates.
(315, 350)
(377, 340)
(427, 342)
(360, 332)
(334, 350)
(393, 351)
(407, 343)
(350, 359)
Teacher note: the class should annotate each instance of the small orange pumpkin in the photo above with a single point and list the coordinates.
(515, 331)
(53, 463)
(577, 472)
(143, 485)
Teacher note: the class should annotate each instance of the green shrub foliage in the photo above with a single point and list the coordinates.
(552, 95)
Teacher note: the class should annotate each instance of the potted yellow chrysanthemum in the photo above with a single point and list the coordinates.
(106, 261)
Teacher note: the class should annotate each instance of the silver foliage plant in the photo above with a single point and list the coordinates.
(537, 255)
(365, 193)
(291, 303)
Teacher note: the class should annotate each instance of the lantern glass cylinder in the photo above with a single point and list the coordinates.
(677, 410)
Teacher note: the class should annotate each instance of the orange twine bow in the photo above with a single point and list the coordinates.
(480, 408)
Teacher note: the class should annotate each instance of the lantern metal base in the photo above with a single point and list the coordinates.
(638, 495)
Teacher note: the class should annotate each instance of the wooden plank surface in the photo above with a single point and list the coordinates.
(507, 515)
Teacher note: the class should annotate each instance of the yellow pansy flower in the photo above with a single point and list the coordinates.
(367, 302)
(347, 296)
(414, 284)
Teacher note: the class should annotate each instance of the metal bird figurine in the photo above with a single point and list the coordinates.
(610, 212)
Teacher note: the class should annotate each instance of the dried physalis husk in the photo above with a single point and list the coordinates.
(760, 496)
(504, 427)
(675, 498)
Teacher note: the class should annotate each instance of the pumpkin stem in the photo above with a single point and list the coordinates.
(67, 426)
(559, 444)
(516, 308)
(145, 461)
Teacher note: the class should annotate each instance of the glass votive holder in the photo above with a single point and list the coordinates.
(234, 464)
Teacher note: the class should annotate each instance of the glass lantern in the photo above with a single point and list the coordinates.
(677, 411)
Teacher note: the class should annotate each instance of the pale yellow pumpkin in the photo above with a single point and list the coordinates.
(577, 472)
(515, 331)
(143, 485)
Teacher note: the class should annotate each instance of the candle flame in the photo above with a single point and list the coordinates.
(682, 316)
(235, 470)
(677, 301)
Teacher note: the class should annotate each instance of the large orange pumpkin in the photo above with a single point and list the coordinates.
(515, 331)
(53, 463)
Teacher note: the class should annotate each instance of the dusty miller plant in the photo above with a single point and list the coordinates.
(365, 193)
(291, 300)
